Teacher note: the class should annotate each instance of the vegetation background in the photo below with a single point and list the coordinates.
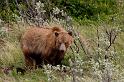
(96, 54)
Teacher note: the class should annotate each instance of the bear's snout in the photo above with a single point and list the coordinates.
(62, 47)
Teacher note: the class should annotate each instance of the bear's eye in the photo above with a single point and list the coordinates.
(56, 34)
(59, 43)
(66, 43)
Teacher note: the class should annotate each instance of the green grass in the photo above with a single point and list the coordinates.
(11, 55)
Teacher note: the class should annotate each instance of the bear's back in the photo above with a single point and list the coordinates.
(36, 31)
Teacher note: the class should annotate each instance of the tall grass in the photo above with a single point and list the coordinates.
(94, 57)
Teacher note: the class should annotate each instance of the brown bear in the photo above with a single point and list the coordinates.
(45, 45)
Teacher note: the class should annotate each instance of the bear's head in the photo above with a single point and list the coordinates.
(63, 40)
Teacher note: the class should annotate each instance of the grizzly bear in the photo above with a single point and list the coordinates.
(45, 45)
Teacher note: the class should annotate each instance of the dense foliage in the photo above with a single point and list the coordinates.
(90, 9)
(79, 9)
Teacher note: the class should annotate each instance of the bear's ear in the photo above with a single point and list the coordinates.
(56, 29)
(70, 33)
(56, 34)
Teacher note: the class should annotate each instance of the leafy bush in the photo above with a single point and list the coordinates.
(79, 9)
(90, 9)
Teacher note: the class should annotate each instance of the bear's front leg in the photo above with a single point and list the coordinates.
(30, 63)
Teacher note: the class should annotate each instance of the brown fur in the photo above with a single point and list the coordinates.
(45, 44)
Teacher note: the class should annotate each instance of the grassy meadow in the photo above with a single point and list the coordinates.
(97, 55)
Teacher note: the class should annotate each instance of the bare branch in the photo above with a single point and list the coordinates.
(111, 34)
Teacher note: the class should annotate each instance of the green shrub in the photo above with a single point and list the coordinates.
(79, 9)
(90, 9)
